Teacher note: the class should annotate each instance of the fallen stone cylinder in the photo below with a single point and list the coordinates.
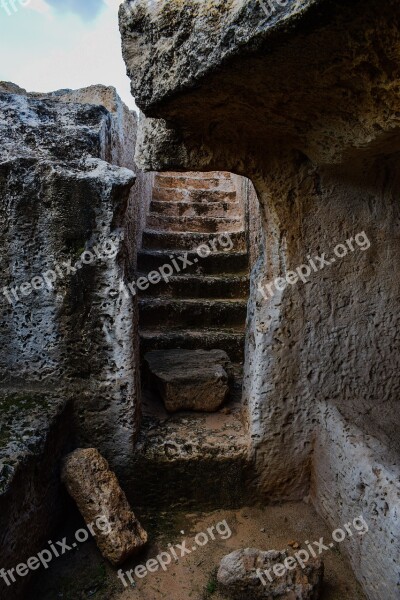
(98, 495)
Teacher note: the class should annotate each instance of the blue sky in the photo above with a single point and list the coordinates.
(51, 44)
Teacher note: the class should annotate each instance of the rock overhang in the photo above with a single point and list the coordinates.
(321, 80)
(198, 35)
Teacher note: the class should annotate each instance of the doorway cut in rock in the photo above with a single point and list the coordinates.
(194, 314)
(196, 224)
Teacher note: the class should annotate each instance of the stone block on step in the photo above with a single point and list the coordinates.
(190, 379)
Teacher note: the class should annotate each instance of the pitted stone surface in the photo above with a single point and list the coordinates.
(63, 197)
(200, 36)
(280, 93)
(183, 461)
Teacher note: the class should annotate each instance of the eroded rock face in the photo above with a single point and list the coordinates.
(190, 379)
(98, 495)
(250, 573)
(201, 36)
(63, 222)
(318, 134)
(280, 94)
(69, 222)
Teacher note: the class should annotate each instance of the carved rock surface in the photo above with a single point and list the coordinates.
(190, 379)
(97, 493)
(238, 578)
(65, 189)
(317, 131)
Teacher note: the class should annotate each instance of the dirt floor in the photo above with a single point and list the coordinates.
(82, 573)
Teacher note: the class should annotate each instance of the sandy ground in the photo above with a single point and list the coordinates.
(83, 573)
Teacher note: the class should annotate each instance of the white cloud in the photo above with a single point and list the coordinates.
(113, 3)
(40, 6)
(69, 53)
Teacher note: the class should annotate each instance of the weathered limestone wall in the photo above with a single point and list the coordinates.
(119, 150)
(62, 196)
(305, 103)
(254, 223)
(354, 474)
(72, 218)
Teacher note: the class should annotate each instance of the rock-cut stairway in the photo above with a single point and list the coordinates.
(193, 459)
(204, 305)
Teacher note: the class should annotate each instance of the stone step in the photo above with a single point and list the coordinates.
(195, 286)
(195, 209)
(183, 181)
(190, 461)
(216, 263)
(185, 195)
(230, 340)
(191, 312)
(161, 240)
(204, 224)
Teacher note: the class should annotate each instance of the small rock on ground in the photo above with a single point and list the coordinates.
(241, 576)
